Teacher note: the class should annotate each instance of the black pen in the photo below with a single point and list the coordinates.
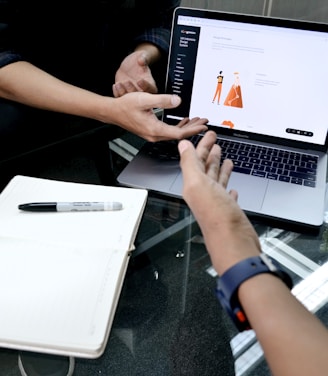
(70, 206)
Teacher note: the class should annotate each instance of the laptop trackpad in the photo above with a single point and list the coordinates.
(251, 190)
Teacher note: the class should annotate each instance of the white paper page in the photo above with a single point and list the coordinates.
(114, 229)
(60, 298)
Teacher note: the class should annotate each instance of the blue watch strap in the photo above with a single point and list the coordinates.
(229, 282)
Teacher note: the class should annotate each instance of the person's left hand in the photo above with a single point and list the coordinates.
(134, 74)
(134, 112)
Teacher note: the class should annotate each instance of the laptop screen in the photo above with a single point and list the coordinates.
(254, 77)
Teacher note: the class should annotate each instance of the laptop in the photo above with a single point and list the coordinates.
(262, 83)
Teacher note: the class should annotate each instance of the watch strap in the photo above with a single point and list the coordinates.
(228, 284)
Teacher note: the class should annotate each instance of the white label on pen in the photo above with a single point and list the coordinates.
(88, 206)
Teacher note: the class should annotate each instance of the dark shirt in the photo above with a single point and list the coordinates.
(81, 41)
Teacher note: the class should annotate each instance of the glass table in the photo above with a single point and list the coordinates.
(168, 321)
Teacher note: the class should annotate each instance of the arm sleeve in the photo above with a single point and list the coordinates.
(158, 23)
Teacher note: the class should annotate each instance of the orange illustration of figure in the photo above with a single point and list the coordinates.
(234, 97)
(218, 87)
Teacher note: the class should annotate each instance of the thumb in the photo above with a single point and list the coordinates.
(188, 158)
(148, 100)
(183, 145)
(143, 60)
(169, 101)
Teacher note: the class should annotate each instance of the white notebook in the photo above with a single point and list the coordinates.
(61, 273)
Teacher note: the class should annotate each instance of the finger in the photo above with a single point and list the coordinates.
(129, 86)
(148, 100)
(122, 88)
(116, 91)
(208, 140)
(188, 159)
(188, 121)
(119, 90)
(210, 154)
(183, 122)
(147, 87)
(172, 132)
(205, 145)
(213, 162)
(225, 172)
(187, 128)
(234, 194)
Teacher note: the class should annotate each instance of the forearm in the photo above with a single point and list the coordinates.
(228, 249)
(25, 83)
(294, 341)
(229, 239)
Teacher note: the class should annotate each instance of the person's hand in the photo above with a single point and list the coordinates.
(134, 112)
(134, 74)
(228, 234)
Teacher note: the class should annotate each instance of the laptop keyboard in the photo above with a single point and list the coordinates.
(166, 150)
(257, 160)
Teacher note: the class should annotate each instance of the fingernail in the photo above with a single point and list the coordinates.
(175, 100)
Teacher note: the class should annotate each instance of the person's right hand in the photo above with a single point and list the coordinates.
(228, 234)
(134, 74)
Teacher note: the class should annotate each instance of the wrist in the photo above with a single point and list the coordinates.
(106, 111)
(231, 281)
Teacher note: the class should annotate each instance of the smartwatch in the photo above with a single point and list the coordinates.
(228, 285)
